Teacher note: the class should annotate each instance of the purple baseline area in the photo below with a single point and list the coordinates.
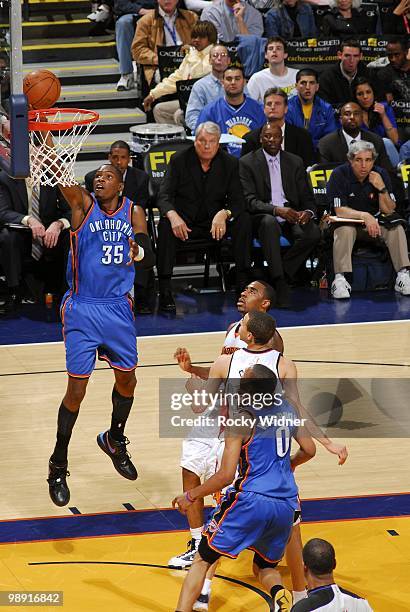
(157, 521)
(215, 311)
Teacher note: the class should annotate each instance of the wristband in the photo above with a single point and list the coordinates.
(140, 255)
(188, 497)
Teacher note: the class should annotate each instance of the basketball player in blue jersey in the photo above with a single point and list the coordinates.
(108, 235)
(257, 511)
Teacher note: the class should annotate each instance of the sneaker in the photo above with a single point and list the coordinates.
(101, 13)
(57, 483)
(403, 282)
(185, 559)
(201, 603)
(341, 288)
(118, 454)
(126, 82)
(283, 601)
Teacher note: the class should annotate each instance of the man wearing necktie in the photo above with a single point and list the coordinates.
(33, 221)
(280, 201)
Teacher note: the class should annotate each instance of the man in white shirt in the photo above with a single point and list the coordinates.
(233, 18)
(277, 75)
(323, 593)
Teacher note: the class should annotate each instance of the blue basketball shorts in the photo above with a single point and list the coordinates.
(250, 520)
(93, 326)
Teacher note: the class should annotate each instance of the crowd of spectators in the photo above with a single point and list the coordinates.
(242, 81)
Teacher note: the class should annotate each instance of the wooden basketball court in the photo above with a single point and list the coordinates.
(128, 572)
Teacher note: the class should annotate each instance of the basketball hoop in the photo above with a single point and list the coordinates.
(56, 137)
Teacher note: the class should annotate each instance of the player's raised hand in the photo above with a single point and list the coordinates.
(133, 252)
(338, 449)
(184, 359)
(182, 503)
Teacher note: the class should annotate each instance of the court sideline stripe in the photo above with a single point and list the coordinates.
(163, 365)
(224, 331)
(255, 589)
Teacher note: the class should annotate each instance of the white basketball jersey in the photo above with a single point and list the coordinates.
(232, 341)
(245, 358)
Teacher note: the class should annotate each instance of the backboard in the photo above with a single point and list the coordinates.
(14, 138)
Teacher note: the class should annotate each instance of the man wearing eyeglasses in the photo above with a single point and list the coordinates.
(209, 88)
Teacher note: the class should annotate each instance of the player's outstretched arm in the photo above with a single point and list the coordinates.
(288, 374)
(223, 477)
(306, 450)
(185, 363)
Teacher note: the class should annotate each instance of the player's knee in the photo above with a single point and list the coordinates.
(125, 383)
(255, 570)
(75, 393)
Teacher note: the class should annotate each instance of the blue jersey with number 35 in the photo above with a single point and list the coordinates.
(97, 265)
(264, 463)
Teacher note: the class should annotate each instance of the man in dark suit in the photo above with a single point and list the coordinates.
(41, 219)
(135, 180)
(296, 140)
(136, 189)
(201, 197)
(333, 147)
(280, 201)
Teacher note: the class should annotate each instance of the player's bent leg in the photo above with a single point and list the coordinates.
(294, 562)
(195, 516)
(271, 580)
(58, 463)
(193, 582)
(113, 441)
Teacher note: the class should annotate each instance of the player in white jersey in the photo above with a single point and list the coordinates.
(200, 453)
(324, 594)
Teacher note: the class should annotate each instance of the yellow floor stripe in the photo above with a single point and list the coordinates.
(30, 24)
(79, 68)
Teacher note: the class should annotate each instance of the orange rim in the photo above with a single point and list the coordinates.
(54, 126)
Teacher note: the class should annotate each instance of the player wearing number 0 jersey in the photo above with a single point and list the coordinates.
(97, 314)
(257, 512)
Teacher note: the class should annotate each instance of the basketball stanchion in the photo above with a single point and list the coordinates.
(56, 137)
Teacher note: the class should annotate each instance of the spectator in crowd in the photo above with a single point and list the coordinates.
(358, 189)
(209, 88)
(232, 18)
(290, 19)
(401, 18)
(337, 80)
(201, 197)
(345, 20)
(166, 26)
(235, 113)
(127, 12)
(405, 151)
(308, 110)
(46, 215)
(194, 66)
(324, 594)
(295, 140)
(333, 147)
(394, 79)
(280, 201)
(136, 189)
(378, 117)
(277, 75)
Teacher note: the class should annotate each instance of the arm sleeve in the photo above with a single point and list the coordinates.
(169, 84)
(167, 190)
(336, 191)
(254, 22)
(140, 49)
(254, 204)
(144, 241)
(195, 104)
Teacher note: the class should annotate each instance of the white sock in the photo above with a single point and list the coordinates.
(298, 595)
(338, 275)
(196, 534)
(206, 589)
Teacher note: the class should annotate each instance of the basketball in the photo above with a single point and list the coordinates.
(42, 89)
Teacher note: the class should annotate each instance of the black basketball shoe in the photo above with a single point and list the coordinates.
(117, 452)
(57, 483)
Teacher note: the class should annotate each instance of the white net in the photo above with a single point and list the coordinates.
(53, 152)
